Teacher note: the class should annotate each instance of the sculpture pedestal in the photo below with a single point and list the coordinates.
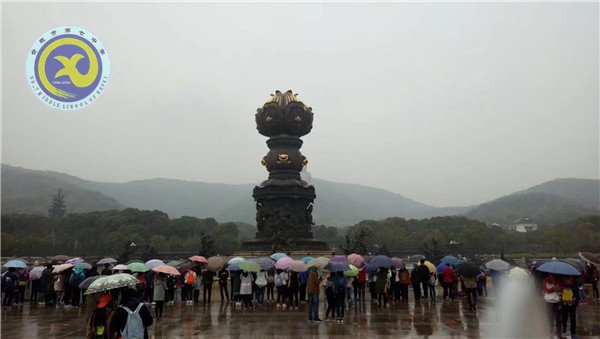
(296, 247)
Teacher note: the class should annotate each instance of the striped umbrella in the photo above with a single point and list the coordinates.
(266, 263)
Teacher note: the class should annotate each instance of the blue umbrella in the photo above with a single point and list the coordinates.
(381, 261)
(15, 264)
(308, 259)
(277, 256)
(337, 266)
(440, 267)
(452, 260)
(369, 267)
(558, 267)
(234, 267)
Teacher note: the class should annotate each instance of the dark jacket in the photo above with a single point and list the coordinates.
(208, 277)
(120, 318)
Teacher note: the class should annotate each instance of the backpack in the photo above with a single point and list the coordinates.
(170, 282)
(339, 289)
(260, 279)
(75, 279)
(190, 279)
(134, 328)
(278, 279)
(8, 282)
(567, 295)
(98, 321)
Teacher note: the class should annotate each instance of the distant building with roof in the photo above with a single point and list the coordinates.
(523, 225)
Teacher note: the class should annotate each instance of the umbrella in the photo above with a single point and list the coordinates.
(84, 265)
(120, 267)
(186, 266)
(468, 269)
(106, 261)
(589, 257)
(234, 267)
(249, 266)
(518, 272)
(109, 282)
(277, 256)
(283, 263)
(133, 261)
(452, 260)
(356, 259)
(74, 261)
(369, 267)
(88, 281)
(320, 262)
(265, 263)
(198, 258)
(398, 263)
(137, 267)
(308, 259)
(153, 263)
(36, 272)
(558, 267)
(62, 267)
(337, 266)
(166, 269)
(430, 266)
(497, 265)
(15, 264)
(235, 260)
(298, 266)
(577, 263)
(381, 261)
(215, 264)
(339, 258)
(352, 272)
(440, 267)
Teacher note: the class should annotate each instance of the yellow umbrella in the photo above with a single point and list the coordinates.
(430, 266)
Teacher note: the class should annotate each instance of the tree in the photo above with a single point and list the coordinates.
(56, 211)
(207, 245)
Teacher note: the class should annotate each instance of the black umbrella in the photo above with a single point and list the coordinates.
(468, 269)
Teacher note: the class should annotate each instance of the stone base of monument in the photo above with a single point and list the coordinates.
(296, 248)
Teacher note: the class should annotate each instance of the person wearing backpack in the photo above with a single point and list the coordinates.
(132, 319)
(98, 321)
(74, 280)
(570, 298)
(188, 288)
(261, 283)
(380, 286)
(281, 280)
(470, 283)
(432, 285)
(404, 276)
(339, 291)
(246, 289)
(22, 280)
(9, 282)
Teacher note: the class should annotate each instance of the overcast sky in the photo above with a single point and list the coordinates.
(447, 104)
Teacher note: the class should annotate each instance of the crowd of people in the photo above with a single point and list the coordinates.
(110, 312)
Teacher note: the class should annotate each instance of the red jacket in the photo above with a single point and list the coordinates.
(448, 274)
(362, 276)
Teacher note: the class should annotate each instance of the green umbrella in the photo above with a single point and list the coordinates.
(249, 266)
(352, 272)
(176, 263)
(137, 267)
(109, 282)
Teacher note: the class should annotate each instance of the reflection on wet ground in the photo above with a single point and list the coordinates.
(365, 320)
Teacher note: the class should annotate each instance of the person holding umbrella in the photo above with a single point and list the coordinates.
(313, 284)
(591, 277)
(570, 299)
(207, 283)
(130, 305)
(223, 278)
(423, 278)
(470, 283)
(552, 290)
(106, 270)
(160, 286)
(339, 290)
(246, 289)
(9, 281)
(381, 286)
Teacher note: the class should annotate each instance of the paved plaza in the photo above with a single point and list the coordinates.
(219, 320)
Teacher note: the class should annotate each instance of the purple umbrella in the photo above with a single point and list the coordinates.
(340, 258)
(283, 263)
(337, 266)
(381, 261)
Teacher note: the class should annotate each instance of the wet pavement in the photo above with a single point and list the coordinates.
(363, 320)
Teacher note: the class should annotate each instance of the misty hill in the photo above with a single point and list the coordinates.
(549, 203)
(337, 203)
(27, 191)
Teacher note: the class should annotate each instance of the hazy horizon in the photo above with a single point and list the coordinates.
(448, 104)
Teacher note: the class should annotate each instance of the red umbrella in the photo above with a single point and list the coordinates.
(198, 258)
(166, 269)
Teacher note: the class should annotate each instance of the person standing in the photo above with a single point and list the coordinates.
(74, 280)
(46, 288)
(270, 287)
(59, 287)
(552, 292)
(9, 283)
(261, 283)
(330, 297)
(570, 298)
(432, 285)
(171, 283)
(404, 276)
(223, 278)
(395, 284)
(471, 291)
(313, 283)
(416, 284)
(160, 286)
(188, 288)
(281, 280)
(482, 284)
(207, 284)
(106, 270)
(246, 289)
(447, 281)
(131, 303)
(22, 280)
(380, 286)
(303, 276)
(423, 273)
(592, 277)
(361, 281)
(294, 289)
(339, 290)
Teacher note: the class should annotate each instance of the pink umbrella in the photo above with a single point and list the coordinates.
(298, 266)
(340, 258)
(198, 258)
(356, 259)
(36, 272)
(283, 263)
(74, 261)
(166, 269)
